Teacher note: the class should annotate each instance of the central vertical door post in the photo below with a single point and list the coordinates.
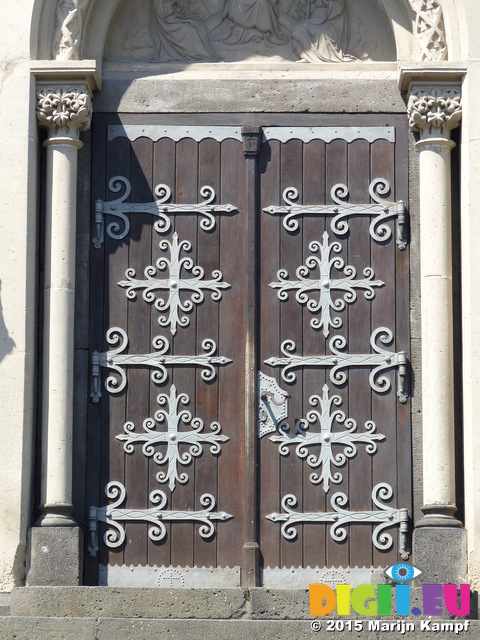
(250, 571)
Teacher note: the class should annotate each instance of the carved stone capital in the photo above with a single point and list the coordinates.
(64, 109)
(434, 111)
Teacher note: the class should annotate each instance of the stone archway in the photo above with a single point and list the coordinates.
(77, 29)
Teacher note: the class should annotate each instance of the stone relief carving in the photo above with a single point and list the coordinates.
(211, 30)
(64, 108)
(320, 31)
(430, 29)
(243, 21)
(68, 29)
(177, 34)
(310, 30)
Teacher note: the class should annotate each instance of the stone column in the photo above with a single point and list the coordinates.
(434, 109)
(55, 541)
(433, 112)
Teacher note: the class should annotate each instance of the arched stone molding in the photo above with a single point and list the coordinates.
(43, 25)
(86, 24)
(453, 16)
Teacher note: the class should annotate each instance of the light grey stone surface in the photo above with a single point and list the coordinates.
(4, 604)
(128, 602)
(282, 604)
(123, 602)
(55, 556)
(441, 553)
(103, 613)
(157, 95)
(47, 629)
(22, 628)
(294, 604)
(203, 629)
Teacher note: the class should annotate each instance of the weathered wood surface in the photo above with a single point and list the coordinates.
(312, 168)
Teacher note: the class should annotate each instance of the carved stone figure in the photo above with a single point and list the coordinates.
(246, 20)
(320, 31)
(178, 35)
(68, 29)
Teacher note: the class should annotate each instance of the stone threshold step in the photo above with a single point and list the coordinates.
(29, 628)
(166, 604)
(129, 602)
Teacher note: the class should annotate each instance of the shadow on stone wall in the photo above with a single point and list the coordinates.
(7, 344)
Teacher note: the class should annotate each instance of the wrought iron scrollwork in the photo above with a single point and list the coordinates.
(174, 283)
(381, 210)
(326, 439)
(159, 208)
(385, 518)
(324, 285)
(172, 417)
(116, 360)
(380, 361)
(114, 517)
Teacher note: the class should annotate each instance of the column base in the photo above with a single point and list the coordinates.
(439, 515)
(55, 556)
(441, 554)
(56, 515)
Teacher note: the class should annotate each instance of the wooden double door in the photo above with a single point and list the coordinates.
(249, 349)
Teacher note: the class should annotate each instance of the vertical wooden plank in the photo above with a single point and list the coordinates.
(115, 315)
(269, 346)
(206, 480)
(159, 553)
(384, 406)
(138, 405)
(184, 343)
(337, 173)
(291, 171)
(95, 427)
(315, 498)
(81, 389)
(359, 331)
(402, 331)
(231, 344)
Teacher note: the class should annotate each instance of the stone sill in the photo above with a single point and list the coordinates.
(176, 604)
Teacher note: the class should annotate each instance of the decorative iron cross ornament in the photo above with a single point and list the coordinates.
(174, 283)
(172, 437)
(325, 284)
(326, 439)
